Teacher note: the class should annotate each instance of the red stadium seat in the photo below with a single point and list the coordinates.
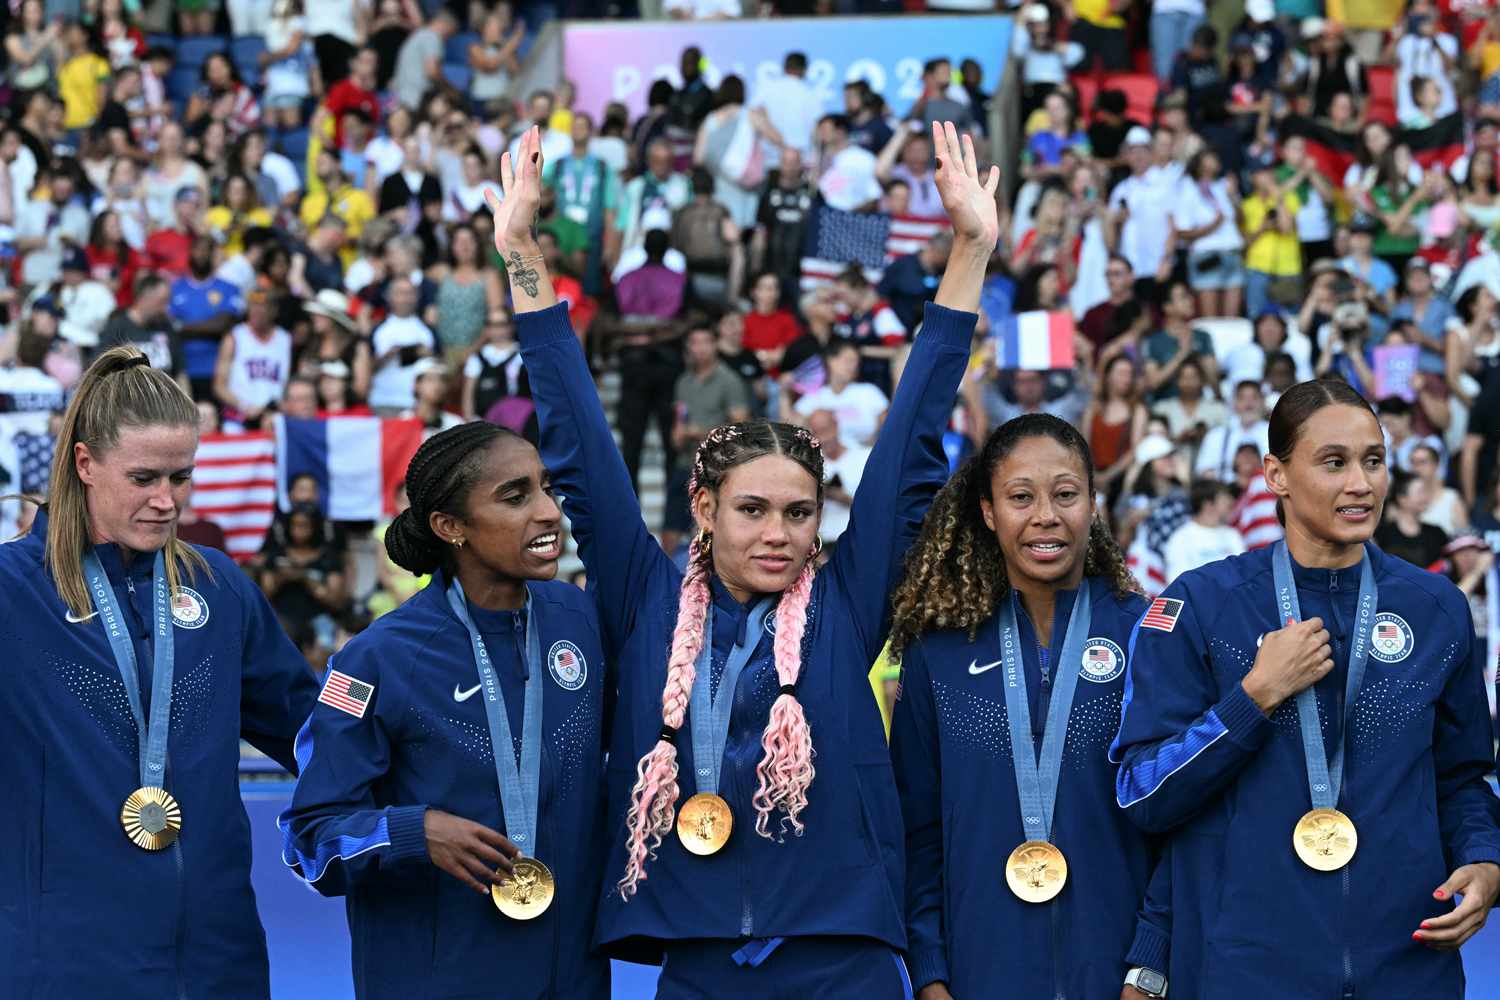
(1140, 93)
(1087, 88)
(1382, 107)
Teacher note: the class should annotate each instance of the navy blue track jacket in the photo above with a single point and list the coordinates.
(843, 876)
(1200, 759)
(83, 911)
(355, 825)
(950, 742)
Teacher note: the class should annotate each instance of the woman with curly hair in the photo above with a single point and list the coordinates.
(1011, 626)
(756, 840)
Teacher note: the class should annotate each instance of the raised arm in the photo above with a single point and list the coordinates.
(888, 508)
(577, 445)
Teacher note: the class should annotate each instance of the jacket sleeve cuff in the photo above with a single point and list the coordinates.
(1242, 717)
(1476, 855)
(1150, 948)
(930, 965)
(544, 326)
(406, 826)
(952, 327)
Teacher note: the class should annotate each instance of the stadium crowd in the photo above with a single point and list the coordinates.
(284, 207)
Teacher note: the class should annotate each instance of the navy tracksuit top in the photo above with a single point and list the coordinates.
(1199, 759)
(843, 876)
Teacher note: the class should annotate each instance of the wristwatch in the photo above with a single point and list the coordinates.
(1148, 981)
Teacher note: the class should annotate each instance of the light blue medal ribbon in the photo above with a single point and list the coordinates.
(709, 715)
(520, 782)
(152, 741)
(1036, 782)
(1325, 775)
(150, 816)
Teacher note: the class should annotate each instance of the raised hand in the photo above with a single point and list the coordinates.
(515, 212)
(968, 199)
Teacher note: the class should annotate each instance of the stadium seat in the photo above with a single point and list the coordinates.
(1087, 89)
(1382, 106)
(182, 81)
(193, 52)
(245, 54)
(168, 42)
(1140, 93)
(1227, 333)
(293, 145)
(458, 74)
(457, 49)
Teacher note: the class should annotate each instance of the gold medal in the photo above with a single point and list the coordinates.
(151, 818)
(527, 891)
(1036, 871)
(1325, 839)
(704, 823)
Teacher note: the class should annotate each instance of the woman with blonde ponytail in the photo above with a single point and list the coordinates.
(755, 848)
(136, 663)
(1012, 626)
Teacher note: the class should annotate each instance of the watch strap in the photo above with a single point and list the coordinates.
(1133, 978)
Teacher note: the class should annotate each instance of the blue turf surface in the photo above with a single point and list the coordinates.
(310, 946)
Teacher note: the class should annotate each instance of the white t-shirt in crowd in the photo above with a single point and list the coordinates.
(1149, 197)
(1417, 55)
(260, 369)
(392, 385)
(794, 109)
(858, 409)
(334, 17)
(1196, 208)
(1193, 545)
(1216, 455)
(848, 468)
(849, 181)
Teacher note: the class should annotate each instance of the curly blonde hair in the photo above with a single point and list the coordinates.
(955, 572)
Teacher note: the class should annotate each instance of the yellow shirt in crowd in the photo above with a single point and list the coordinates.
(348, 203)
(1097, 12)
(221, 218)
(80, 82)
(1273, 252)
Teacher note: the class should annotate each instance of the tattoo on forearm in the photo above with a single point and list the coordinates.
(526, 277)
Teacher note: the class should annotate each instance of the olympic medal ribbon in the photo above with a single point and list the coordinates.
(705, 821)
(1037, 870)
(151, 819)
(1325, 838)
(529, 890)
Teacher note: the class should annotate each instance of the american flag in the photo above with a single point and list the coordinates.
(1144, 559)
(566, 660)
(234, 486)
(1100, 654)
(1385, 630)
(346, 694)
(34, 456)
(1255, 515)
(836, 239)
(1162, 614)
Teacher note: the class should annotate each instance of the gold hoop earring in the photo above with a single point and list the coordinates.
(817, 548)
(705, 542)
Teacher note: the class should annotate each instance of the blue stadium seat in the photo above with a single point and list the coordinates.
(193, 51)
(293, 146)
(245, 54)
(459, 75)
(182, 81)
(457, 49)
(168, 42)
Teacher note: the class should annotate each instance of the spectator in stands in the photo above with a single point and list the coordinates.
(791, 107)
(1207, 537)
(468, 292)
(1029, 389)
(1115, 421)
(1194, 409)
(654, 290)
(859, 406)
(1420, 48)
(655, 191)
(710, 241)
(1175, 342)
(1248, 425)
(1428, 312)
(145, 325)
(846, 172)
(334, 338)
(1054, 236)
(867, 127)
(692, 103)
(769, 326)
(1273, 255)
(1099, 28)
(1098, 324)
(707, 395)
(869, 322)
(782, 219)
(914, 148)
(1472, 344)
(430, 396)
(304, 576)
(588, 196)
(1060, 134)
(240, 211)
(493, 57)
(741, 361)
(169, 173)
(352, 88)
(843, 468)
(300, 399)
(34, 48)
(334, 194)
(254, 364)
(936, 103)
(651, 126)
(419, 64)
(85, 304)
(1345, 344)
(288, 64)
(1204, 218)
(1045, 61)
(1174, 25)
(912, 280)
(222, 97)
(397, 344)
(82, 81)
(736, 170)
(410, 195)
(113, 124)
(1445, 507)
(1402, 532)
(49, 222)
(1270, 337)
(1375, 279)
(494, 371)
(1139, 223)
(204, 307)
(277, 183)
(111, 259)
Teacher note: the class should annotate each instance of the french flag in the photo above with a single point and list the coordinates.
(357, 461)
(1037, 341)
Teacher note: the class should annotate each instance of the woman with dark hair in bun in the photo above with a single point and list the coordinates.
(450, 854)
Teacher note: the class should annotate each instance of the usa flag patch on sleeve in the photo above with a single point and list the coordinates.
(347, 694)
(1162, 614)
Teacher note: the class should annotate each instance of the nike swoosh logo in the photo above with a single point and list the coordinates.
(975, 668)
(78, 621)
(465, 695)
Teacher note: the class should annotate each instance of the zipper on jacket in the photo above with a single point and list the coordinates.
(1338, 714)
(1348, 993)
(1059, 988)
(182, 993)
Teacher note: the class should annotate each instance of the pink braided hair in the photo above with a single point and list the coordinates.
(786, 771)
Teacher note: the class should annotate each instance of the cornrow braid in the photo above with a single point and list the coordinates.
(785, 771)
(955, 572)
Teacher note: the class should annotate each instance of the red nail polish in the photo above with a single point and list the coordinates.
(1440, 894)
(1416, 935)
(1424, 925)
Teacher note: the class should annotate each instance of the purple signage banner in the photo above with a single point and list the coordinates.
(618, 62)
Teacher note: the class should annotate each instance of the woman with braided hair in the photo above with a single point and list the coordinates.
(453, 767)
(755, 846)
(1012, 623)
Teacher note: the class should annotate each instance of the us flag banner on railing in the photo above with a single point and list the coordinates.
(234, 486)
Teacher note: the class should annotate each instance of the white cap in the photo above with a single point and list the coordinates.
(1260, 11)
(1037, 13)
(1152, 447)
(429, 366)
(1138, 136)
(1313, 27)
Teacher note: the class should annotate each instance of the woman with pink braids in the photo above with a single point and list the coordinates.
(757, 843)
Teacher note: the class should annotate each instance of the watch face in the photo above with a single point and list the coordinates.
(1151, 981)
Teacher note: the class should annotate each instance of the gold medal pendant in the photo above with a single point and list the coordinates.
(1036, 871)
(151, 818)
(1325, 839)
(527, 892)
(704, 824)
